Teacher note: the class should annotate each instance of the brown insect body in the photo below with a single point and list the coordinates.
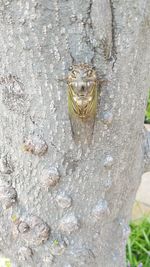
(82, 106)
(82, 100)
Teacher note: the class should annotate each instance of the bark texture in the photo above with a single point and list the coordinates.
(62, 204)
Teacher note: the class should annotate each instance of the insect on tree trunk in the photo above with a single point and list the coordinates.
(63, 204)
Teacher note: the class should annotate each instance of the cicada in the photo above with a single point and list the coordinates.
(82, 101)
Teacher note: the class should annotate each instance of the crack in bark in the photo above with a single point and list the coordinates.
(113, 56)
(113, 50)
(72, 58)
(88, 25)
(89, 12)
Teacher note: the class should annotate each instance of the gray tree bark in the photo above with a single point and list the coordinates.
(62, 205)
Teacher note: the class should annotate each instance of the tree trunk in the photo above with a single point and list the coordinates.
(63, 204)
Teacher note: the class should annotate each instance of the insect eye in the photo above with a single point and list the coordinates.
(70, 68)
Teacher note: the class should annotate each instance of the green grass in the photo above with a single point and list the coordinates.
(147, 113)
(5, 262)
(138, 246)
(8, 264)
